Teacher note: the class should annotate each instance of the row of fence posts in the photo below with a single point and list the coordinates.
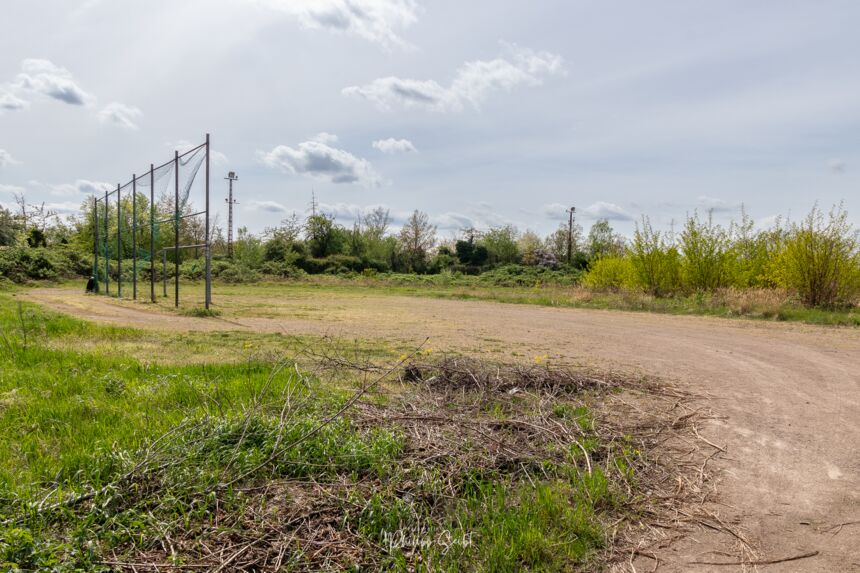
(152, 223)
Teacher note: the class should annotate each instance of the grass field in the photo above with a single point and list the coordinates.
(123, 450)
(765, 304)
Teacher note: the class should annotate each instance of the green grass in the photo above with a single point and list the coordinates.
(190, 446)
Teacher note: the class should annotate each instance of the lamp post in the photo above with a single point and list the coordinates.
(230, 202)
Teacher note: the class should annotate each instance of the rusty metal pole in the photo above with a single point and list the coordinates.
(152, 232)
(176, 230)
(107, 246)
(96, 242)
(118, 242)
(134, 237)
(208, 250)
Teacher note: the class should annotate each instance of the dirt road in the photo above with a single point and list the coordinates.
(788, 396)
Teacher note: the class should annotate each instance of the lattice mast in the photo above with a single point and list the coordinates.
(230, 202)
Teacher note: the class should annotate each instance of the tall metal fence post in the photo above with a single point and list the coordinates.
(96, 242)
(107, 251)
(176, 231)
(134, 237)
(164, 270)
(152, 232)
(208, 252)
(118, 242)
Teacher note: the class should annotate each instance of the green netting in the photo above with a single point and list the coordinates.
(138, 222)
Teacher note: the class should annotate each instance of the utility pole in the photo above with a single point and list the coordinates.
(570, 213)
(230, 202)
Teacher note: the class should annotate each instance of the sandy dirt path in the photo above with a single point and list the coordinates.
(788, 396)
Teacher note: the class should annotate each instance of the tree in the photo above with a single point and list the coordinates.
(376, 223)
(323, 235)
(501, 245)
(603, 241)
(10, 226)
(556, 243)
(417, 237)
(283, 239)
(529, 246)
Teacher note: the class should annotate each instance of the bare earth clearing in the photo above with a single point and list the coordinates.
(787, 396)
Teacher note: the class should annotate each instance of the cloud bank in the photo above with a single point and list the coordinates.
(377, 21)
(609, 211)
(473, 83)
(6, 159)
(46, 78)
(121, 115)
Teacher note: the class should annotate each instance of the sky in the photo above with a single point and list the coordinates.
(480, 113)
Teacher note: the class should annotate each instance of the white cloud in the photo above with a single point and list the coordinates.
(717, 205)
(453, 221)
(267, 206)
(6, 158)
(10, 189)
(79, 187)
(64, 208)
(556, 211)
(351, 211)
(473, 83)
(609, 211)
(323, 162)
(46, 78)
(11, 102)
(120, 114)
(392, 146)
(769, 222)
(836, 165)
(378, 21)
(324, 137)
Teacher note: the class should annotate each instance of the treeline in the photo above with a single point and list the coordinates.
(818, 258)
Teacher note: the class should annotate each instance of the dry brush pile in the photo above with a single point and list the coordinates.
(428, 464)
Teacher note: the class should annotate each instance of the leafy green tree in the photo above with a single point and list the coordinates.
(529, 246)
(323, 235)
(501, 245)
(10, 226)
(603, 241)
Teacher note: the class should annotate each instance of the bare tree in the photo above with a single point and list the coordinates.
(39, 216)
(376, 223)
(417, 237)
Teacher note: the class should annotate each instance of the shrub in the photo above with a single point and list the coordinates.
(820, 259)
(519, 275)
(21, 263)
(610, 273)
(282, 269)
(706, 255)
(654, 260)
(238, 273)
